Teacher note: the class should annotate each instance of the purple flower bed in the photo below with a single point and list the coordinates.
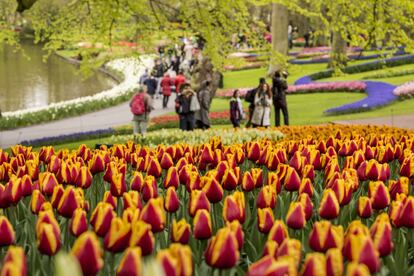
(378, 94)
(407, 89)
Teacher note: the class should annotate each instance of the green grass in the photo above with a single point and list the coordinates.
(250, 78)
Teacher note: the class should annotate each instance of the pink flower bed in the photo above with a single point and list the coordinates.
(357, 86)
(407, 89)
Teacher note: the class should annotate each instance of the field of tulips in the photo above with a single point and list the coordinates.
(323, 200)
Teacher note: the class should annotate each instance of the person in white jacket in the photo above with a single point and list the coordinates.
(262, 107)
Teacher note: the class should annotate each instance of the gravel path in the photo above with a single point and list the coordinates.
(103, 119)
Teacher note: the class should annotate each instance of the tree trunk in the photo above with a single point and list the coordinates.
(338, 54)
(279, 32)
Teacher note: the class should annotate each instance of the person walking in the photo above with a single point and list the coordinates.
(204, 98)
(179, 80)
(250, 99)
(236, 109)
(166, 84)
(158, 72)
(141, 106)
(262, 107)
(279, 96)
(151, 84)
(185, 105)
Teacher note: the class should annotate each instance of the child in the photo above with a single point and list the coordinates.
(236, 109)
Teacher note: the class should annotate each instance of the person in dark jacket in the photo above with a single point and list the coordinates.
(236, 109)
(279, 97)
(151, 84)
(183, 107)
(250, 98)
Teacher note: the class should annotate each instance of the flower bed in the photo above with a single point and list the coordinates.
(331, 198)
(315, 87)
(130, 68)
(405, 90)
(172, 121)
(390, 74)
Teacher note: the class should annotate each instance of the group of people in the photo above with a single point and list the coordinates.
(260, 102)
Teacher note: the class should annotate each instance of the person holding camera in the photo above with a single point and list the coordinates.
(262, 106)
(279, 96)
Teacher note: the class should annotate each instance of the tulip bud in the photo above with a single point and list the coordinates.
(357, 269)
(290, 247)
(362, 250)
(307, 204)
(88, 252)
(329, 206)
(47, 181)
(253, 153)
(36, 201)
(234, 207)
(117, 238)
(176, 260)
(306, 187)
(180, 231)
(154, 168)
(58, 192)
(78, 223)
(222, 250)
(117, 184)
(172, 202)
(14, 263)
(7, 235)
(334, 262)
(109, 198)
(142, 236)
(266, 197)
(278, 233)
(132, 200)
(153, 213)
(400, 186)
(324, 236)
(296, 217)
(267, 265)
(71, 200)
(202, 227)
(364, 207)
(101, 218)
(407, 167)
(198, 200)
(265, 219)
(130, 263)
(137, 181)
(315, 264)
(48, 239)
(172, 178)
(212, 188)
(13, 190)
(237, 229)
(230, 180)
(379, 195)
(381, 234)
(291, 180)
(166, 161)
(247, 182)
(270, 249)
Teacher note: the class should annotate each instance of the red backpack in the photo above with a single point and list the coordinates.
(138, 104)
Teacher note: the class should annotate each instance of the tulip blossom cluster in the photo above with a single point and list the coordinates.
(314, 87)
(322, 200)
(405, 90)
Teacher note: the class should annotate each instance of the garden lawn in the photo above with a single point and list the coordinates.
(250, 78)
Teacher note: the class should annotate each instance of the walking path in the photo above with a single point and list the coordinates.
(103, 119)
(403, 121)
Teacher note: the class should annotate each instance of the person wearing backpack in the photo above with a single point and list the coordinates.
(141, 106)
(250, 95)
(279, 97)
(186, 105)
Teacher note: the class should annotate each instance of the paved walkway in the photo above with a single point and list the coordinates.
(403, 121)
(103, 119)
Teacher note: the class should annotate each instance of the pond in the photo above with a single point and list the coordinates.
(26, 81)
